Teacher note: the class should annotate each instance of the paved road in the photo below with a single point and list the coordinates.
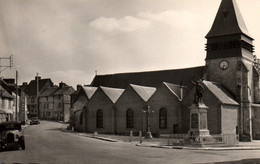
(47, 143)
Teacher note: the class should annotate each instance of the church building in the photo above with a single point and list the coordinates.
(230, 80)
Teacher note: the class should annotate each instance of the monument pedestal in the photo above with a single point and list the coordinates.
(198, 121)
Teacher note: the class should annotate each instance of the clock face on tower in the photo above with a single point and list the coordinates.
(223, 65)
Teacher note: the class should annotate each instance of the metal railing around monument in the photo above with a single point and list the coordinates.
(186, 139)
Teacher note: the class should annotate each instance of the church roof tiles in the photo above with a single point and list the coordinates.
(175, 89)
(220, 93)
(151, 79)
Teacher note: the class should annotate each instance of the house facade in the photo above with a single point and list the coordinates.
(12, 94)
(31, 94)
(46, 103)
(54, 102)
(62, 102)
(6, 105)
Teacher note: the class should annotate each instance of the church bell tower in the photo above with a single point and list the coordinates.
(230, 60)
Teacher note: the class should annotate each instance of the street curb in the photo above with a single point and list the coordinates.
(193, 148)
(171, 147)
(226, 149)
(100, 138)
(104, 139)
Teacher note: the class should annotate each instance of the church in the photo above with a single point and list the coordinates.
(159, 101)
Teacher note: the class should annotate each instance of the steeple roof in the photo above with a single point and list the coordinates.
(228, 21)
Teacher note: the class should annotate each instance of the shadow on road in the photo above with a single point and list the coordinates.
(244, 161)
(61, 129)
(58, 129)
(10, 149)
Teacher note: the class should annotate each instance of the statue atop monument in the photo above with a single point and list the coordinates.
(199, 92)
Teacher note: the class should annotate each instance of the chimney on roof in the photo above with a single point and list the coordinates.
(78, 87)
(39, 77)
(25, 83)
(62, 84)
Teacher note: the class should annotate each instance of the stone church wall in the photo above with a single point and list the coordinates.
(226, 77)
(256, 122)
(214, 112)
(130, 100)
(185, 112)
(163, 98)
(99, 101)
(229, 119)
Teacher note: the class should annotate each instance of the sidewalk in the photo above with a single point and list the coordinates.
(254, 145)
(244, 147)
(97, 137)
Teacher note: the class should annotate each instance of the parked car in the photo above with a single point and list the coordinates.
(27, 122)
(11, 135)
(34, 120)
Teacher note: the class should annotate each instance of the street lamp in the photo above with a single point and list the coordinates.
(148, 112)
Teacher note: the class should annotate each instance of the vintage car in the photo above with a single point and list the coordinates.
(34, 120)
(11, 135)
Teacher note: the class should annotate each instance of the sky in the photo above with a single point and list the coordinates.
(72, 40)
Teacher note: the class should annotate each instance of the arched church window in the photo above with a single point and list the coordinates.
(99, 118)
(130, 118)
(163, 118)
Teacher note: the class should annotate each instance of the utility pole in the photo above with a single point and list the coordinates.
(37, 94)
(16, 96)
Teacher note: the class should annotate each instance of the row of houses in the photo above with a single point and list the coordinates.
(46, 100)
(9, 96)
(54, 102)
(162, 109)
(51, 102)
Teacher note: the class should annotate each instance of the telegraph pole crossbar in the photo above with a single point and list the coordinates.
(11, 63)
